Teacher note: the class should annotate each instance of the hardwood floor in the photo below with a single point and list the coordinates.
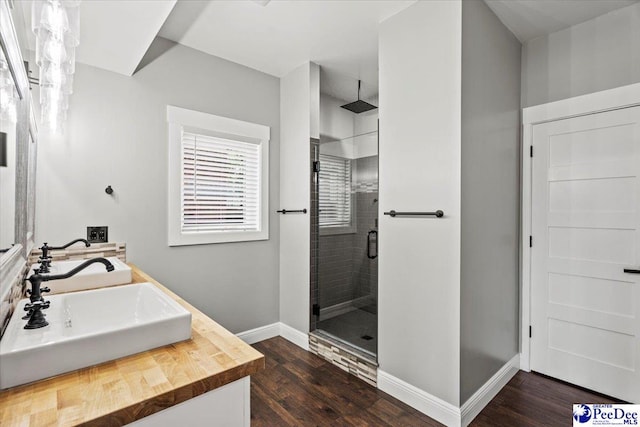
(531, 399)
(298, 388)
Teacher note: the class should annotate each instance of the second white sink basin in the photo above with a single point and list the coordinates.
(92, 277)
(90, 327)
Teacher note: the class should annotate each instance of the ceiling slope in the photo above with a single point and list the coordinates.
(528, 19)
(114, 34)
(276, 38)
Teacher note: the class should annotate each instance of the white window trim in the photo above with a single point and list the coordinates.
(218, 126)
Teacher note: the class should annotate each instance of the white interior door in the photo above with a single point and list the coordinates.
(585, 227)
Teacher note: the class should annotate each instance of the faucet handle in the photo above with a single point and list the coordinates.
(36, 305)
(44, 267)
(45, 289)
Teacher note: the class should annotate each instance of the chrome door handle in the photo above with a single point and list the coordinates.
(631, 270)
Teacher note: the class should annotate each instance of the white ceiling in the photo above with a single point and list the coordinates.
(114, 34)
(341, 36)
(528, 19)
(277, 36)
(345, 88)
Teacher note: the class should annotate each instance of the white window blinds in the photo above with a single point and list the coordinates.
(220, 184)
(334, 191)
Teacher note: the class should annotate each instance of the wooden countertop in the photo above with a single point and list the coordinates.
(127, 389)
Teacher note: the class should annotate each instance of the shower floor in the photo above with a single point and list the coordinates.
(354, 327)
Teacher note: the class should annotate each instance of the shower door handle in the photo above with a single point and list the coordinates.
(372, 236)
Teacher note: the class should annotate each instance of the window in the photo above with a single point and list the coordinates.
(219, 184)
(334, 194)
(218, 179)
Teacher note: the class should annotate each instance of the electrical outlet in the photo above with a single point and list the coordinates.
(98, 234)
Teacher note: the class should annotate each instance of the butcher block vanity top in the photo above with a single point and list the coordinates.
(124, 390)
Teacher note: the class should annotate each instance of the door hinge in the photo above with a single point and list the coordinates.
(529, 331)
(316, 309)
(316, 166)
(530, 241)
(531, 151)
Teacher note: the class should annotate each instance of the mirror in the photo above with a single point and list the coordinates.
(8, 100)
(19, 142)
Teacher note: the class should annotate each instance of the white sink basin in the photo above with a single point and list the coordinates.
(90, 327)
(94, 276)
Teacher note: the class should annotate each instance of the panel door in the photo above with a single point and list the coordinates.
(585, 217)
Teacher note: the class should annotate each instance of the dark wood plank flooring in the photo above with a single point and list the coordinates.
(300, 389)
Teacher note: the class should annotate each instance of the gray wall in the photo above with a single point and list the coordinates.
(490, 196)
(419, 266)
(599, 54)
(299, 117)
(117, 135)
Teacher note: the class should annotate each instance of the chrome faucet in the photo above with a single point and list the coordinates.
(37, 304)
(45, 259)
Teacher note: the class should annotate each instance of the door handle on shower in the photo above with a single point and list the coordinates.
(631, 270)
(373, 234)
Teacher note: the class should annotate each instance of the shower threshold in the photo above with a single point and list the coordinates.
(355, 361)
(346, 346)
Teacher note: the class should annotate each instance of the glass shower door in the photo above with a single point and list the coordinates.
(346, 243)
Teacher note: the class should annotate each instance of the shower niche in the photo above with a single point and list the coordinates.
(344, 220)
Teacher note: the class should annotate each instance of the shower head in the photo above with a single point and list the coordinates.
(359, 106)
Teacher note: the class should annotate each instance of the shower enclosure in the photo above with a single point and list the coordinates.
(344, 252)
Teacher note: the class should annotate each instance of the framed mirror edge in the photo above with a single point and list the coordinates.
(26, 133)
(11, 263)
(33, 124)
(29, 241)
(11, 48)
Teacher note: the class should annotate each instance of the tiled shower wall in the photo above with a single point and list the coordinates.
(365, 270)
(335, 269)
(344, 271)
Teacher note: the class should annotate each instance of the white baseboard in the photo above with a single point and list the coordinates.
(424, 402)
(442, 411)
(295, 336)
(261, 333)
(481, 398)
